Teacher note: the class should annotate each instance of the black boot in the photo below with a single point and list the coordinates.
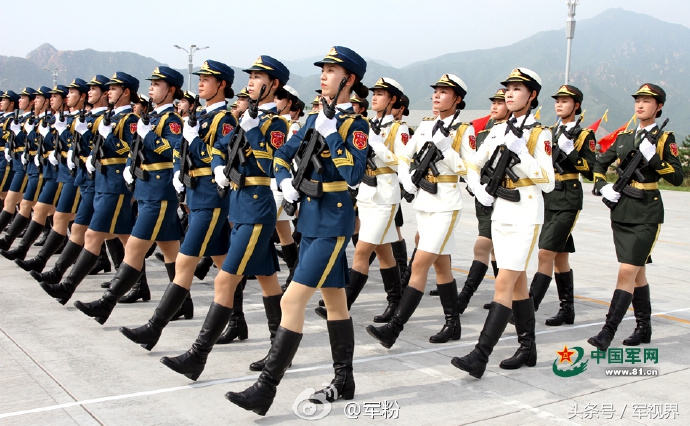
(540, 283)
(475, 362)
(642, 306)
(566, 313)
(523, 311)
(474, 278)
(352, 290)
(103, 263)
(5, 219)
(53, 242)
(100, 309)
(448, 293)
(237, 326)
(140, 290)
(388, 334)
(494, 266)
(64, 290)
(16, 227)
(68, 256)
(187, 308)
(405, 277)
(116, 250)
(192, 362)
(342, 337)
(259, 397)
(32, 232)
(46, 230)
(148, 334)
(400, 255)
(273, 316)
(291, 257)
(620, 302)
(391, 283)
(203, 267)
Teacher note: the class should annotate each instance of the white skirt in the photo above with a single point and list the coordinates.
(436, 231)
(514, 244)
(377, 223)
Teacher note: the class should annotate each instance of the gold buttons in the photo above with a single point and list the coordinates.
(213, 181)
(308, 198)
(574, 185)
(158, 176)
(339, 205)
(656, 198)
(529, 196)
(256, 196)
(117, 171)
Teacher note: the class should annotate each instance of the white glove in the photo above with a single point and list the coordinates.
(221, 180)
(566, 144)
(89, 165)
(24, 159)
(81, 128)
(52, 158)
(179, 186)
(442, 142)
(37, 161)
(15, 127)
(289, 192)
(190, 132)
(70, 163)
(127, 175)
(482, 196)
(60, 126)
(611, 195)
(247, 122)
(517, 145)
(647, 149)
(143, 129)
(43, 130)
(104, 130)
(325, 126)
(8, 156)
(376, 142)
(28, 128)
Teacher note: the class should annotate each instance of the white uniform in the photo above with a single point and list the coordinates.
(293, 127)
(515, 226)
(377, 205)
(438, 214)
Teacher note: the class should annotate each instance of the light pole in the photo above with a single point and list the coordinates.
(569, 34)
(55, 73)
(190, 55)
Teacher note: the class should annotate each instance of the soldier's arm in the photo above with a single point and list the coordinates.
(667, 163)
(350, 155)
(169, 137)
(583, 156)
(602, 165)
(266, 142)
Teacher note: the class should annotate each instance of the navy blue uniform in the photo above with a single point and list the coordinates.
(19, 180)
(69, 193)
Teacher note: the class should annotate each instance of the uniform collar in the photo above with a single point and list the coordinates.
(288, 117)
(162, 108)
(215, 106)
(97, 110)
(123, 108)
(530, 120)
(270, 106)
(345, 106)
(648, 128)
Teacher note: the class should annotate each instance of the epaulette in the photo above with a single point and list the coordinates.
(428, 118)
(457, 125)
(627, 131)
(355, 116)
(500, 122)
(485, 131)
(313, 112)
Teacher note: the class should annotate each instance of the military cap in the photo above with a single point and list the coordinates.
(356, 100)
(292, 93)
(143, 99)
(271, 66)
(43, 91)
(316, 101)
(405, 101)
(217, 69)
(125, 80)
(100, 81)
(526, 76)
(173, 77)
(571, 92)
(60, 90)
(346, 58)
(243, 93)
(389, 85)
(454, 82)
(29, 91)
(499, 95)
(649, 89)
(11, 96)
(189, 96)
(78, 84)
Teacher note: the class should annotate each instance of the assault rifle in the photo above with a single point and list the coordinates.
(138, 152)
(59, 144)
(97, 152)
(186, 163)
(77, 149)
(31, 120)
(558, 156)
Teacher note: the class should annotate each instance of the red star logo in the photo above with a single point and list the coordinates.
(565, 355)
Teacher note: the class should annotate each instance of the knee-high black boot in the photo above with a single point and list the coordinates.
(46, 230)
(100, 309)
(405, 277)
(116, 250)
(620, 302)
(540, 283)
(273, 316)
(5, 218)
(642, 306)
(388, 334)
(32, 232)
(342, 337)
(523, 311)
(566, 313)
(69, 255)
(148, 334)
(203, 267)
(64, 290)
(103, 263)
(259, 397)
(16, 227)
(400, 255)
(140, 290)
(237, 326)
(474, 278)
(475, 362)
(494, 266)
(291, 257)
(53, 242)
(187, 308)
(391, 283)
(192, 362)
(352, 290)
(448, 293)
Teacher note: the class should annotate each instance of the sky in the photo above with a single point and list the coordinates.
(395, 32)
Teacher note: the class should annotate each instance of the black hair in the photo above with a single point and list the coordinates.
(298, 106)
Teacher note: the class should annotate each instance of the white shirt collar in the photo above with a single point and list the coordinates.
(648, 128)
(97, 110)
(215, 106)
(288, 117)
(267, 106)
(530, 120)
(163, 107)
(122, 108)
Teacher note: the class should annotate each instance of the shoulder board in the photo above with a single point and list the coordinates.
(313, 112)
(457, 125)
(390, 123)
(500, 122)
(627, 131)
(668, 133)
(484, 131)
(428, 118)
(354, 116)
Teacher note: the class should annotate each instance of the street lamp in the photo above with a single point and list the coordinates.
(569, 34)
(55, 73)
(190, 55)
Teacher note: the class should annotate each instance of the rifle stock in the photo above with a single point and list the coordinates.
(185, 159)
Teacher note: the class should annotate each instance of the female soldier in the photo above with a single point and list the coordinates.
(252, 213)
(157, 220)
(573, 154)
(208, 225)
(185, 104)
(8, 103)
(437, 213)
(514, 224)
(326, 223)
(637, 213)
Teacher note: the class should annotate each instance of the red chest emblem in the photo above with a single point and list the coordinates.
(359, 139)
(547, 147)
(133, 128)
(592, 145)
(277, 139)
(473, 143)
(175, 128)
(227, 128)
(674, 149)
(405, 138)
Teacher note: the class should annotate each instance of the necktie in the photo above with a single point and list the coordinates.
(438, 126)
(638, 138)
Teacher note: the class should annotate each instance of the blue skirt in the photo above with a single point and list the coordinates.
(251, 250)
(322, 262)
(112, 213)
(208, 233)
(157, 221)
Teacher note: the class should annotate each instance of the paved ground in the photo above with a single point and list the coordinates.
(59, 367)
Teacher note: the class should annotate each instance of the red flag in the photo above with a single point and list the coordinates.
(480, 123)
(595, 126)
(608, 140)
